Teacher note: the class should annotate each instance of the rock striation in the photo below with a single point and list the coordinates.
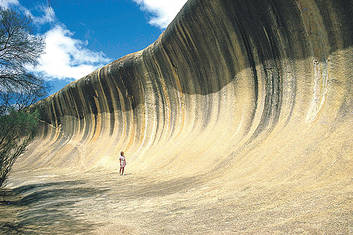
(249, 91)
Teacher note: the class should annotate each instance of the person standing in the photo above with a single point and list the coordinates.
(122, 163)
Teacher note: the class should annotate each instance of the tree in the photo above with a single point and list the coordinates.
(19, 88)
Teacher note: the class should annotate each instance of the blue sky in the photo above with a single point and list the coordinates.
(83, 35)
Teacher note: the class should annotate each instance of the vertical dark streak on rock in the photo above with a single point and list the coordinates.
(245, 43)
(115, 95)
(108, 85)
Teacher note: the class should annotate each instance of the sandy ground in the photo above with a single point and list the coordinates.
(100, 202)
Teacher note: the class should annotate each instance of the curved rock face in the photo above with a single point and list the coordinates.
(253, 90)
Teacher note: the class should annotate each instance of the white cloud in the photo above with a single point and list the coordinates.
(66, 57)
(47, 17)
(5, 4)
(163, 11)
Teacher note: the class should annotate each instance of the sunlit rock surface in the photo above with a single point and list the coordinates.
(237, 119)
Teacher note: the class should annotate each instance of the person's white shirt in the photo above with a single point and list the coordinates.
(122, 160)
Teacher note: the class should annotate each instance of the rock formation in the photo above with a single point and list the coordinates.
(236, 91)
(228, 82)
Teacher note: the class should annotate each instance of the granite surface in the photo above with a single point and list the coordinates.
(245, 101)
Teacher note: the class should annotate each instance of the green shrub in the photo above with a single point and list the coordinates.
(16, 131)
